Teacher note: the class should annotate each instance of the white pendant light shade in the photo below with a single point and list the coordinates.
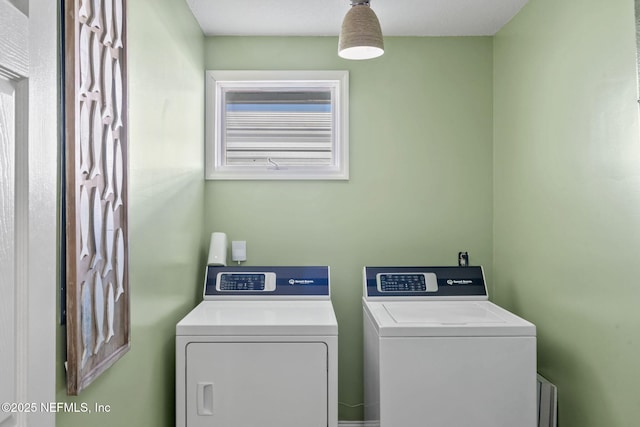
(361, 36)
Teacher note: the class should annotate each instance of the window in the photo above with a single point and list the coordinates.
(277, 125)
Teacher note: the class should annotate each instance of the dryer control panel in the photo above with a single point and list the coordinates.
(425, 282)
(266, 282)
(241, 281)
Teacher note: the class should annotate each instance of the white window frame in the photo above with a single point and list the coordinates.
(219, 80)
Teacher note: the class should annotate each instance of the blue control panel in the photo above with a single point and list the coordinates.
(458, 282)
(311, 281)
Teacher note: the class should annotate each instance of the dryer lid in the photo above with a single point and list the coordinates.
(260, 318)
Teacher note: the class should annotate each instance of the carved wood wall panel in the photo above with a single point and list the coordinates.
(96, 175)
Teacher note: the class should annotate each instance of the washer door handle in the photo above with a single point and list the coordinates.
(205, 399)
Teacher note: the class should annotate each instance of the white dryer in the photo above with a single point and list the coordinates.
(261, 350)
(437, 353)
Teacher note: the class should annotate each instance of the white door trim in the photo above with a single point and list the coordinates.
(42, 250)
(14, 69)
(28, 53)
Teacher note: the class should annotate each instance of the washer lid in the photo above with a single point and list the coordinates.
(260, 318)
(445, 318)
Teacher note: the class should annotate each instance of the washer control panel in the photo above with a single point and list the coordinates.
(458, 283)
(407, 282)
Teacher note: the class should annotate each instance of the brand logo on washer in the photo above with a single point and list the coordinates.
(300, 282)
(459, 282)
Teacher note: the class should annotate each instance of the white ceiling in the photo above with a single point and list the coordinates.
(324, 17)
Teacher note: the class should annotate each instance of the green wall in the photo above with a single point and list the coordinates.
(567, 199)
(521, 149)
(166, 115)
(421, 173)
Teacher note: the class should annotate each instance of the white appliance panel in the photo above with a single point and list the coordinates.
(257, 384)
(447, 381)
(371, 344)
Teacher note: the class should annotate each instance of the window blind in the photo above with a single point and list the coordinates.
(278, 128)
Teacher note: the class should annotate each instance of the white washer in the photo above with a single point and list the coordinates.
(437, 353)
(260, 351)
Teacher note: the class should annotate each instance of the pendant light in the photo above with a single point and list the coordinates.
(361, 36)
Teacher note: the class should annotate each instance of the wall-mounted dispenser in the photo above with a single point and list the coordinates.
(218, 249)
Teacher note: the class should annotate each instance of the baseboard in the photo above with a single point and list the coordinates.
(351, 424)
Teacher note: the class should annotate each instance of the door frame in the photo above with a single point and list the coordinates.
(36, 199)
